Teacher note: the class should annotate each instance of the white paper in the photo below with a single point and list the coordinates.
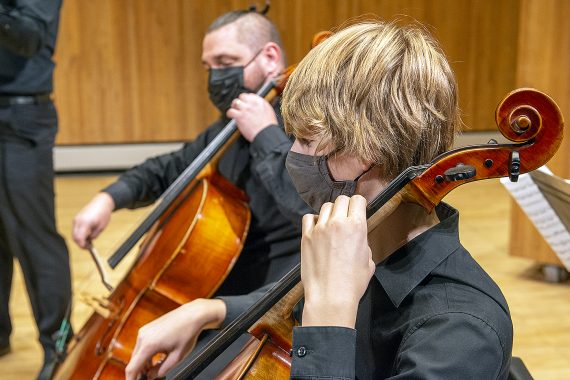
(529, 197)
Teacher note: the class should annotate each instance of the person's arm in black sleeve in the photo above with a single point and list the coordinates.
(23, 28)
(323, 352)
(447, 346)
(145, 183)
(236, 305)
(269, 151)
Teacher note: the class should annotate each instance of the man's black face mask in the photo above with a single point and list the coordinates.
(226, 84)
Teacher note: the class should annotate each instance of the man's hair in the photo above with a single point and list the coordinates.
(254, 28)
(380, 91)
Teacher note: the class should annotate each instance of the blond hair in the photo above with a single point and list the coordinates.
(380, 91)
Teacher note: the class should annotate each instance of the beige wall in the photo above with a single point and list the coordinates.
(129, 70)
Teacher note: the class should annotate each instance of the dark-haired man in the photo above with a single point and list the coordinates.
(241, 51)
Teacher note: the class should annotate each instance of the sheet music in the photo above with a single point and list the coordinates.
(529, 197)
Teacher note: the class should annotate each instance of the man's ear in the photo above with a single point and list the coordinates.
(272, 57)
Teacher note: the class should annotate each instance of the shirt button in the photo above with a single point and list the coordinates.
(301, 351)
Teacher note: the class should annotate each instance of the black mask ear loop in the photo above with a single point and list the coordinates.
(253, 58)
(364, 172)
(247, 64)
(327, 156)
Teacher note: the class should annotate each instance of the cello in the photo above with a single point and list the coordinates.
(527, 117)
(193, 244)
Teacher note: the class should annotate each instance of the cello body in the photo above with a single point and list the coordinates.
(186, 255)
(266, 355)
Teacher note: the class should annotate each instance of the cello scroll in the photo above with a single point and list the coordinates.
(528, 117)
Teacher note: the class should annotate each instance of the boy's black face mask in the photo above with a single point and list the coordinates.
(311, 177)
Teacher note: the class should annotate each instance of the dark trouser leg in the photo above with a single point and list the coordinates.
(40, 250)
(6, 268)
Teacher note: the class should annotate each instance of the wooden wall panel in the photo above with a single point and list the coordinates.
(476, 36)
(543, 62)
(129, 70)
